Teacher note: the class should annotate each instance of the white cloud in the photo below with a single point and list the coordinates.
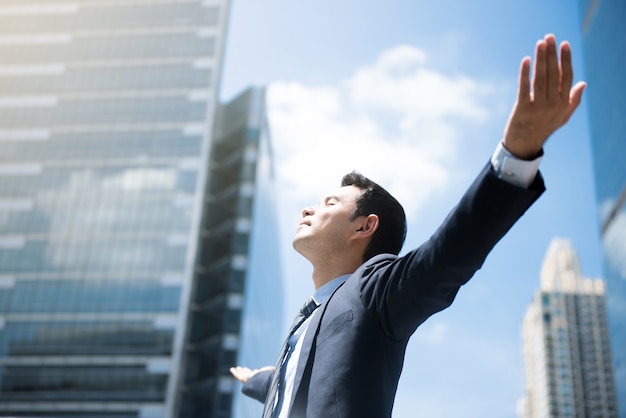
(396, 120)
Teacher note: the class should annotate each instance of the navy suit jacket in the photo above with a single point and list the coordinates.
(353, 350)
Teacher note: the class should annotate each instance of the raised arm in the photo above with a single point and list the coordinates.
(541, 110)
(403, 292)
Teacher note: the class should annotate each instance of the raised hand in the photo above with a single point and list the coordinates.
(539, 112)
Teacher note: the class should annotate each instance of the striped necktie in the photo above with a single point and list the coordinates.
(274, 399)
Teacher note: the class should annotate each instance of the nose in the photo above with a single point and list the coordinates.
(308, 211)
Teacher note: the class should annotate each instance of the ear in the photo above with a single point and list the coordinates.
(367, 226)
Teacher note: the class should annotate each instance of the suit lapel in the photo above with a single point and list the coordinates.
(308, 345)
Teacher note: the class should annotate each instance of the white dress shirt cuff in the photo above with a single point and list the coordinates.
(512, 169)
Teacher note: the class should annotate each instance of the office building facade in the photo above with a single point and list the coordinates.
(604, 43)
(107, 183)
(567, 360)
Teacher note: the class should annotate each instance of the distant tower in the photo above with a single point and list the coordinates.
(568, 371)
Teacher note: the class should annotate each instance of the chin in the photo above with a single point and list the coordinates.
(299, 242)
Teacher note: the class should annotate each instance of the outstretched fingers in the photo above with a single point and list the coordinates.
(567, 73)
(523, 92)
(553, 72)
(540, 76)
(545, 101)
(241, 373)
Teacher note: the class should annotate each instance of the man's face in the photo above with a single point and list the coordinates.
(325, 229)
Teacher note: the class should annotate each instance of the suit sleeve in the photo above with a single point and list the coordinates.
(258, 385)
(402, 292)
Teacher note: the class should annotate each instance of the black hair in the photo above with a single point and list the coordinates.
(391, 232)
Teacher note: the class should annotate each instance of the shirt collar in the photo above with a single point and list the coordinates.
(323, 293)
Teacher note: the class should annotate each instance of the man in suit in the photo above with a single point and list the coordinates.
(345, 355)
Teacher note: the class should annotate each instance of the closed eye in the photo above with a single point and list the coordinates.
(329, 201)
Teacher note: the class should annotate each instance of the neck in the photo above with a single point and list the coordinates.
(326, 272)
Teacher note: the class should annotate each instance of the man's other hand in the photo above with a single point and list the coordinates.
(243, 374)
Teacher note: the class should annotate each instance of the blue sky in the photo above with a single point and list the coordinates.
(416, 94)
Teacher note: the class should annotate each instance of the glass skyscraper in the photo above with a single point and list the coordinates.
(127, 233)
(236, 309)
(604, 40)
(567, 358)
